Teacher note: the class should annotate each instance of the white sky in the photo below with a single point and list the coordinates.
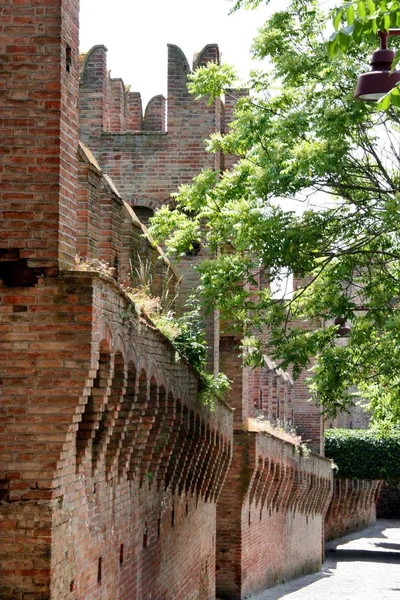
(136, 33)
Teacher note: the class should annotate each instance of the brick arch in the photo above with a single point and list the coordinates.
(152, 421)
(144, 203)
(141, 412)
(142, 365)
(187, 464)
(109, 413)
(143, 213)
(215, 470)
(130, 426)
(132, 355)
(202, 476)
(95, 402)
(105, 336)
(119, 345)
(174, 388)
(153, 371)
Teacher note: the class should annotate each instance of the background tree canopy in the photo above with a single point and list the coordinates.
(315, 191)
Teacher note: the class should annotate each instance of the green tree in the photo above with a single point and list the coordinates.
(359, 19)
(315, 191)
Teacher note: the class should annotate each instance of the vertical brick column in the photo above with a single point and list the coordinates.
(93, 92)
(38, 133)
(231, 365)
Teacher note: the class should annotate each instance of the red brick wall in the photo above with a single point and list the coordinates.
(148, 165)
(110, 468)
(270, 515)
(38, 132)
(353, 507)
(103, 434)
(153, 157)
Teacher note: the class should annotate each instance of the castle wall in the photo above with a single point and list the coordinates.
(353, 507)
(104, 436)
(269, 515)
(38, 133)
(110, 467)
(151, 158)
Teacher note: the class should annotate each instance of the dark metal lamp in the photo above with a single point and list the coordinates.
(379, 81)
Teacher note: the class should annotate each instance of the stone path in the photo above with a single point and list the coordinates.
(361, 566)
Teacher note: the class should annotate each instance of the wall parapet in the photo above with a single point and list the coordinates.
(353, 506)
(270, 514)
(285, 480)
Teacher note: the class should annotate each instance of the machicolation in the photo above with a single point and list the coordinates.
(116, 482)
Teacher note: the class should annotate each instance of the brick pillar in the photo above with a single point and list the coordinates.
(231, 365)
(307, 415)
(38, 135)
(93, 94)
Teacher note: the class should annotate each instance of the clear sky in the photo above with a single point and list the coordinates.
(136, 34)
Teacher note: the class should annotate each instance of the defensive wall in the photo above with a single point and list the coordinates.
(111, 470)
(270, 514)
(109, 463)
(353, 506)
(149, 163)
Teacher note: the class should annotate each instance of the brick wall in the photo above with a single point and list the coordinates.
(110, 468)
(147, 161)
(38, 134)
(148, 158)
(269, 515)
(109, 465)
(353, 507)
(103, 435)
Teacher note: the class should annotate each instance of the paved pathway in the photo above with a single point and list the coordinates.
(361, 566)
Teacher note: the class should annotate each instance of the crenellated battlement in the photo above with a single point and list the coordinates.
(108, 105)
(149, 152)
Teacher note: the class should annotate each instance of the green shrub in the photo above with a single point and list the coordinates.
(364, 453)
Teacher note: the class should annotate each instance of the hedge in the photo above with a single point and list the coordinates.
(363, 453)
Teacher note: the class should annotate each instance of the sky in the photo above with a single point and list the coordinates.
(136, 34)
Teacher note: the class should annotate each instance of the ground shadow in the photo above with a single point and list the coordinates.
(376, 551)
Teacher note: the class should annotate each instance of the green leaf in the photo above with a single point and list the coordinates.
(350, 15)
(395, 97)
(361, 9)
(344, 40)
(337, 18)
(333, 43)
(348, 30)
(384, 103)
(395, 63)
(358, 31)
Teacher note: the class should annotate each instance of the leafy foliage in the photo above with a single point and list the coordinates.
(213, 387)
(187, 334)
(211, 80)
(315, 191)
(362, 19)
(364, 454)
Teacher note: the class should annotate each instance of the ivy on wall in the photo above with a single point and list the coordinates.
(364, 453)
